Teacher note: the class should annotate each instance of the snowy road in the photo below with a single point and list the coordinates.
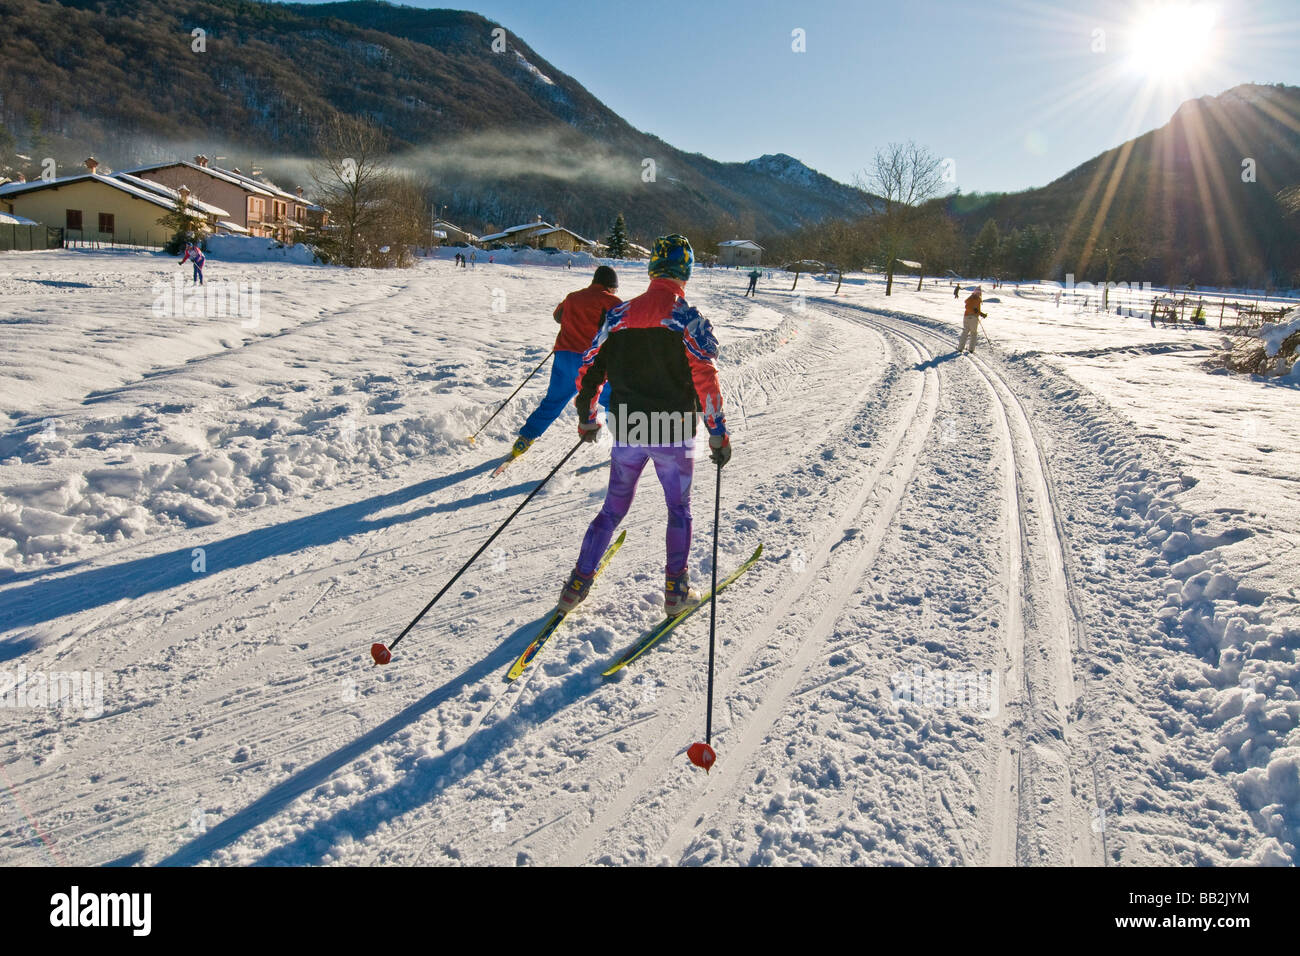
(971, 639)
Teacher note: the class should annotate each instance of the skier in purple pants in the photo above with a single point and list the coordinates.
(657, 353)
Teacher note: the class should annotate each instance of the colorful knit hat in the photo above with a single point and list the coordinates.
(672, 258)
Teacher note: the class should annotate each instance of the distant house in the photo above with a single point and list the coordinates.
(217, 217)
(566, 240)
(739, 252)
(541, 235)
(452, 233)
(263, 209)
(524, 234)
(98, 208)
(636, 252)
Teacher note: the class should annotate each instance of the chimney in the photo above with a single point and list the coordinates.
(185, 195)
(299, 192)
(201, 160)
(538, 219)
(91, 164)
(236, 170)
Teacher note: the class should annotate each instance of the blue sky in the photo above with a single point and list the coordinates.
(1015, 92)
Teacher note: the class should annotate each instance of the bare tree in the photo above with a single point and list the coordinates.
(903, 176)
(376, 215)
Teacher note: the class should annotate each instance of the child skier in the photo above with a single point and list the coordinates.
(971, 321)
(657, 353)
(579, 315)
(195, 254)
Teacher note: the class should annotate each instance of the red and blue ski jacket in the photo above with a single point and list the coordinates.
(195, 253)
(657, 353)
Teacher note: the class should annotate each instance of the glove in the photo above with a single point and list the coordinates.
(721, 445)
(589, 431)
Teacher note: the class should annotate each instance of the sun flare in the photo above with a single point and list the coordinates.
(1174, 40)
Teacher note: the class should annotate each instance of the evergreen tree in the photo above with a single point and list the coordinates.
(617, 243)
(186, 223)
(984, 253)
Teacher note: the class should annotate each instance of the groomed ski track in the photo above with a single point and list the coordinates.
(909, 518)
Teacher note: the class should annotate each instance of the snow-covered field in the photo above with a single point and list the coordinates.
(1034, 606)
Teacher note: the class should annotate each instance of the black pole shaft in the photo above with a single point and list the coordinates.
(512, 394)
(466, 565)
(713, 606)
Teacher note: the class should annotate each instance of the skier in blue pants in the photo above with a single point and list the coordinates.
(579, 316)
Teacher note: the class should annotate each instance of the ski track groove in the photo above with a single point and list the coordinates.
(1030, 491)
(636, 785)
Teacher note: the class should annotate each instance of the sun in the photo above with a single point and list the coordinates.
(1173, 40)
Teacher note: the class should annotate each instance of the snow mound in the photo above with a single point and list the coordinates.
(257, 249)
(527, 257)
(172, 479)
(1275, 335)
(1274, 350)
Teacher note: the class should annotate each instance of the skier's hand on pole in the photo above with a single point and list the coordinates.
(588, 431)
(721, 445)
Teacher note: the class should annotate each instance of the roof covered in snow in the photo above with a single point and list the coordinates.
(14, 189)
(169, 193)
(229, 177)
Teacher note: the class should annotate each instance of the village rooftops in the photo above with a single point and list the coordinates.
(235, 179)
(231, 176)
(506, 233)
(746, 243)
(554, 229)
(172, 194)
(13, 189)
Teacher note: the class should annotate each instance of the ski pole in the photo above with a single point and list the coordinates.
(702, 754)
(512, 395)
(382, 654)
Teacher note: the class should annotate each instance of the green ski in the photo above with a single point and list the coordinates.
(553, 622)
(666, 626)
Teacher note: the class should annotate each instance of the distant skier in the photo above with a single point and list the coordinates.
(971, 321)
(754, 276)
(194, 254)
(956, 290)
(473, 259)
(657, 353)
(570, 265)
(579, 315)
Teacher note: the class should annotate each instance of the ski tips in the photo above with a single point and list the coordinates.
(702, 755)
(380, 653)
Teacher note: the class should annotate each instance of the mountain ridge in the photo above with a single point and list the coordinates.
(271, 74)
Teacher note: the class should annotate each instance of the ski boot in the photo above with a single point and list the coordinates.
(575, 591)
(522, 445)
(679, 596)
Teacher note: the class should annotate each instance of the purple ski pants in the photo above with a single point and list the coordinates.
(675, 466)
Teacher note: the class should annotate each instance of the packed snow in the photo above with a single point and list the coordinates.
(1035, 605)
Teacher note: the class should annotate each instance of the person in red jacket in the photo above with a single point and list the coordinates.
(656, 352)
(579, 315)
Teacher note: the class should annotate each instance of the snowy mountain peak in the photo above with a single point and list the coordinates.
(785, 168)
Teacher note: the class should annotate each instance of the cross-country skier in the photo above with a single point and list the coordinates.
(657, 353)
(754, 276)
(971, 320)
(579, 315)
(195, 254)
